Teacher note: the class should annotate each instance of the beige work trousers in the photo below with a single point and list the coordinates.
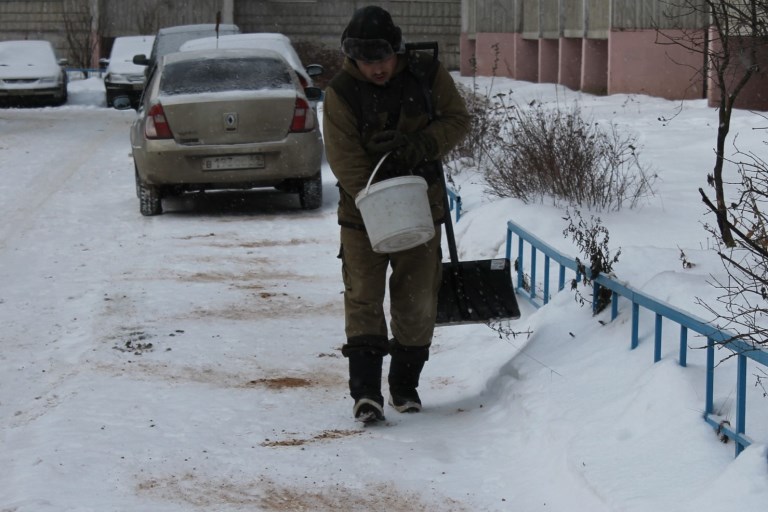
(413, 286)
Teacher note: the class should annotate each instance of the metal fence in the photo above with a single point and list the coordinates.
(527, 285)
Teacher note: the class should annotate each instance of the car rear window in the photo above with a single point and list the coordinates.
(221, 75)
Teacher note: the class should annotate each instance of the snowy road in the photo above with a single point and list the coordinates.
(181, 361)
(190, 361)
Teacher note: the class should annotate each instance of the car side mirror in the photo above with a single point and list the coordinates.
(313, 93)
(141, 60)
(103, 62)
(315, 70)
(63, 62)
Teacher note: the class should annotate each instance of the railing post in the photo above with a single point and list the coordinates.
(741, 399)
(614, 305)
(533, 272)
(683, 345)
(657, 339)
(710, 391)
(546, 279)
(561, 278)
(635, 324)
(520, 262)
(508, 251)
(595, 295)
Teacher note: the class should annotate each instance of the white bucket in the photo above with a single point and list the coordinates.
(396, 212)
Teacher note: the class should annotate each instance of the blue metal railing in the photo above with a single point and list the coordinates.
(715, 336)
(454, 202)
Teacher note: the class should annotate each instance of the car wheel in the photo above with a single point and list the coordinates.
(311, 193)
(150, 200)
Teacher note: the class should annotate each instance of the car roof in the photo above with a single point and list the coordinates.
(200, 26)
(261, 40)
(196, 55)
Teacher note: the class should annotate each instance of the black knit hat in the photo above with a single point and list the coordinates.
(371, 35)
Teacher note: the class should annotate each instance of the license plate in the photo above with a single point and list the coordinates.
(224, 163)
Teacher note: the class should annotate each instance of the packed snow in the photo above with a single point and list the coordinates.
(190, 361)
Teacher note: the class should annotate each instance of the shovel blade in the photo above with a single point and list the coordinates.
(478, 291)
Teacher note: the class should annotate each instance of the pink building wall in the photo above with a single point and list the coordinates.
(526, 59)
(754, 95)
(466, 55)
(517, 57)
(594, 66)
(495, 54)
(629, 61)
(569, 69)
(636, 64)
(549, 56)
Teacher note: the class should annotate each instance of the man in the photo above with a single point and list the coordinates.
(385, 100)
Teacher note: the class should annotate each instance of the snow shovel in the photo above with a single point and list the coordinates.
(471, 292)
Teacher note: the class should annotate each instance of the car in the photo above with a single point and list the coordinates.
(31, 73)
(263, 40)
(225, 119)
(170, 39)
(123, 79)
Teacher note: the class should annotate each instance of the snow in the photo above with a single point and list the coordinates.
(28, 59)
(191, 361)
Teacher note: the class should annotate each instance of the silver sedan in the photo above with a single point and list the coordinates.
(226, 119)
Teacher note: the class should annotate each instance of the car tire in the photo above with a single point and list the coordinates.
(311, 192)
(150, 200)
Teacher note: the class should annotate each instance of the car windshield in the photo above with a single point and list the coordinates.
(220, 75)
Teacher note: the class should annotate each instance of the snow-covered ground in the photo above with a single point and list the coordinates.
(191, 361)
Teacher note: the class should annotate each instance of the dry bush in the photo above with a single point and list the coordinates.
(554, 152)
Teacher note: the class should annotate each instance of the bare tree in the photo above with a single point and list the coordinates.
(730, 45)
(744, 297)
(82, 28)
(149, 13)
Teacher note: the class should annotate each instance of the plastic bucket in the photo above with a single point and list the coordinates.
(396, 212)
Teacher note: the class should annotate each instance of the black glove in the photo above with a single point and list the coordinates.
(408, 149)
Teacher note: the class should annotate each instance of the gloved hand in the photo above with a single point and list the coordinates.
(408, 149)
(386, 141)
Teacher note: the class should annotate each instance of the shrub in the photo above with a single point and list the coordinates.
(535, 152)
(592, 240)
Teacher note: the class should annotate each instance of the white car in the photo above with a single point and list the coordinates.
(30, 72)
(123, 79)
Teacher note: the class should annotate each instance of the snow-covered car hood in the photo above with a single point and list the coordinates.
(27, 59)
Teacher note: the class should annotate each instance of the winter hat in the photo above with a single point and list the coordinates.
(371, 35)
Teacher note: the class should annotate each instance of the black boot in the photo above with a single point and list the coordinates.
(404, 372)
(365, 381)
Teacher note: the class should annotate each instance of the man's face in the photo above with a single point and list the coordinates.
(379, 72)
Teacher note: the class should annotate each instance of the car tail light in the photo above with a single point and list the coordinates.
(157, 125)
(303, 82)
(303, 120)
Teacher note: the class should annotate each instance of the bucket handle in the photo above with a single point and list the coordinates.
(375, 170)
